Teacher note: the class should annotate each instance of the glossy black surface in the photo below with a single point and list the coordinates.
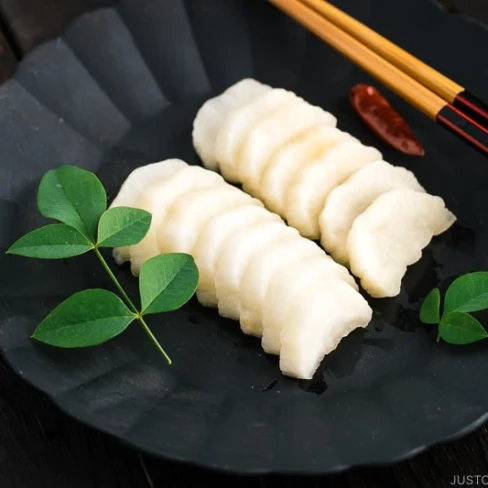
(386, 393)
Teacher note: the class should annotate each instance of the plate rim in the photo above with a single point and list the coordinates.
(336, 469)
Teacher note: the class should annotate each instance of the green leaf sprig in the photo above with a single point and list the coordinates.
(468, 293)
(77, 200)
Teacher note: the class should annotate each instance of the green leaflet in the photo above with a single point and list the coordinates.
(87, 318)
(73, 196)
(461, 328)
(167, 282)
(54, 241)
(468, 293)
(430, 310)
(123, 226)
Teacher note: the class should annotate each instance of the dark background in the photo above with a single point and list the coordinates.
(42, 448)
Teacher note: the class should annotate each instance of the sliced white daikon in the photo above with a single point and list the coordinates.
(286, 284)
(157, 198)
(212, 113)
(234, 258)
(236, 127)
(188, 215)
(140, 178)
(352, 197)
(212, 238)
(391, 234)
(270, 134)
(289, 158)
(260, 271)
(306, 195)
(135, 185)
(319, 317)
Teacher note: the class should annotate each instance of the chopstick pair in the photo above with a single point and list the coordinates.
(435, 95)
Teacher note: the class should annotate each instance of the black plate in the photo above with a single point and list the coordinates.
(120, 89)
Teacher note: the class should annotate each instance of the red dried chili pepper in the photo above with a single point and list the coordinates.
(384, 120)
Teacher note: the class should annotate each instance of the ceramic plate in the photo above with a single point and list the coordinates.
(120, 89)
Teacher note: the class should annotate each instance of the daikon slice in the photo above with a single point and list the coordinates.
(259, 273)
(306, 196)
(187, 217)
(157, 198)
(234, 258)
(319, 317)
(212, 113)
(135, 185)
(286, 284)
(351, 198)
(270, 134)
(296, 153)
(213, 237)
(390, 235)
(236, 127)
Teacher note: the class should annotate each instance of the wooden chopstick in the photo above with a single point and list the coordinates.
(388, 74)
(437, 82)
(412, 91)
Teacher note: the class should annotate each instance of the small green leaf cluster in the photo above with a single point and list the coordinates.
(77, 200)
(468, 293)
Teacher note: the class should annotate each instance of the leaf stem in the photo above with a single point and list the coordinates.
(153, 338)
(130, 303)
(115, 281)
